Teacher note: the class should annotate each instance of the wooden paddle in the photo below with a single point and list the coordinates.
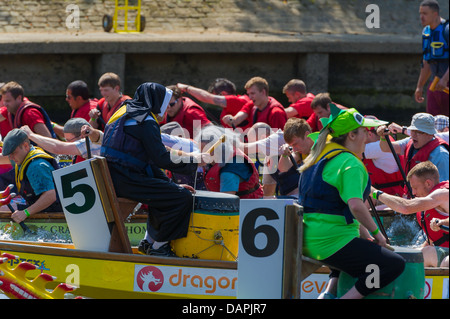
(220, 141)
(7, 201)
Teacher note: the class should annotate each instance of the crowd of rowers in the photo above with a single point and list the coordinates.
(265, 144)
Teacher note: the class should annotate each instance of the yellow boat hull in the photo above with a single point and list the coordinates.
(112, 275)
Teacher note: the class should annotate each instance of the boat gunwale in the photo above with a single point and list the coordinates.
(40, 248)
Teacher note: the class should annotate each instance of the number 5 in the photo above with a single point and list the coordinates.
(68, 191)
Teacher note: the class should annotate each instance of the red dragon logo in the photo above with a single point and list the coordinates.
(150, 278)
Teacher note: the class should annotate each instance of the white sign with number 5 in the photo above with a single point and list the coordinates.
(78, 193)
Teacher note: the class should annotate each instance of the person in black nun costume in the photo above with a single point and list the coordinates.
(135, 154)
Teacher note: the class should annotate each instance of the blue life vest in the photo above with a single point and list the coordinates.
(123, 149)
(434, 43)
(317, 196)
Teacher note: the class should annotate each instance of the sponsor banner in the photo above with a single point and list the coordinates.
(436, 287)
(185, 280)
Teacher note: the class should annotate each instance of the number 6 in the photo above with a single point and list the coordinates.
(248, 229)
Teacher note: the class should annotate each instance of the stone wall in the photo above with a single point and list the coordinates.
(298, 16)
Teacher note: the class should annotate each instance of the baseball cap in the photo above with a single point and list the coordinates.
(423, 122)
(14, 138)
(341, 122)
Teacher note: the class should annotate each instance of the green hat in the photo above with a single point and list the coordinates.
(341, 122)
(14, 138)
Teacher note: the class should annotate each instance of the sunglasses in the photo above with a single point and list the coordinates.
(173, 103)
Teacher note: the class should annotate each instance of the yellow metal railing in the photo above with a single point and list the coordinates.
(124, 7)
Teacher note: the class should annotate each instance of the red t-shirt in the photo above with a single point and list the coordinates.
(108, 111)
(5, 126)
(303, 106)
(83, 111)
(273, 114)
(234, 105)
(31, 117)
(186, 116)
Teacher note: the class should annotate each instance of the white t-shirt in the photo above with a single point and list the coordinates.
(382, 160)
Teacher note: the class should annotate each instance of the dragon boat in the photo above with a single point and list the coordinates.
(101, 262)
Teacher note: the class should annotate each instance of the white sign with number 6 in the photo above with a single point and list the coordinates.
(261, 245)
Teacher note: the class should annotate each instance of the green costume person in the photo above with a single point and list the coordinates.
(333, 187)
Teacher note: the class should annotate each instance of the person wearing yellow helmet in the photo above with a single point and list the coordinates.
(333, 187)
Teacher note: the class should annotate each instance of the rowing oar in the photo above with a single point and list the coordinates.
(88, 145)
(291, 157)
(377, 217)
(6, 201)
(397, 160)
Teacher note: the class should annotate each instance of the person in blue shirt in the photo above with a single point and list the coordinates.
(33, 175)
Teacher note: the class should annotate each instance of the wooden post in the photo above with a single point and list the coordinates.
(293, 242)
(119, 238)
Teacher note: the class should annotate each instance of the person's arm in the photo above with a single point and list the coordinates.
(51, 145)
(236, 120)
(290, 112)
(149, 133)
(41, 129)
(425, 73)
(45, 200)
(95, 135)
(442, 84)
(285, 162)
(362, 214)
(203, 95)
(417, 204)
(59, 130)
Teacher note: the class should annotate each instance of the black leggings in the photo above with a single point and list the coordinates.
(354, 258)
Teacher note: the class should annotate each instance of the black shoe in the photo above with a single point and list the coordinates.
(163, 251)
(143, 247)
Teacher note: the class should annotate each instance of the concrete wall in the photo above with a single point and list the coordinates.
(325, 43)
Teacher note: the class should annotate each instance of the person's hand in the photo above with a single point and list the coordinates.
(435, 223)
(27, 130)
(18, 216)
(86, 130)
(188, 187)
(182, 87)
(418, 95)
(380, 240)
(94, 114)
(228, 119)
(285, 150)
(381, 131)
(395, 128)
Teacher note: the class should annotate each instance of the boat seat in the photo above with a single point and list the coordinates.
(126, 207)
(309, 266)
